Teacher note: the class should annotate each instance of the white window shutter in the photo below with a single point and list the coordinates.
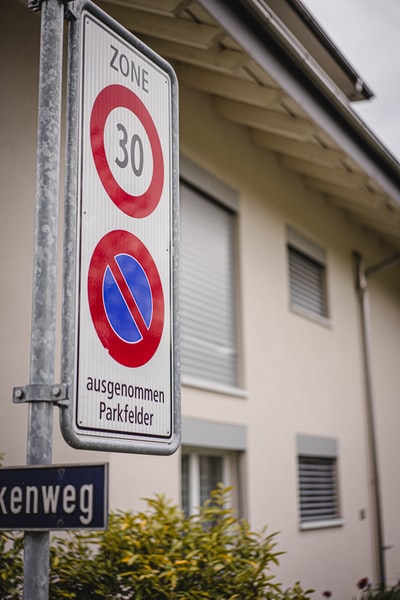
(207, 298)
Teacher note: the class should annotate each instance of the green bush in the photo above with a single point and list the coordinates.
(161, 555)
(377, 593)
(11, 546)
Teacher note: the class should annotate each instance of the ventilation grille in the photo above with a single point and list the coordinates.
(318, 489)
(307, 283)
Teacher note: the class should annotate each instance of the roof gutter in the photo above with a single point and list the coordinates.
(248, 21)
(361, 91)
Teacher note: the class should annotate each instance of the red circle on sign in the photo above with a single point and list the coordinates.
(116, 96)
(112, 245)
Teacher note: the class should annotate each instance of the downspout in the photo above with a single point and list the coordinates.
(362, 275)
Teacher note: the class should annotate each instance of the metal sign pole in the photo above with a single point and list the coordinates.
(42, 364)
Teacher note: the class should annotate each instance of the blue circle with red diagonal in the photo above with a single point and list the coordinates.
(126, 298)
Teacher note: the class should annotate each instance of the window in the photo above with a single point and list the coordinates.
(307, 276)
(207, 288)
(211, 454)
(317, 482)
(201, 472)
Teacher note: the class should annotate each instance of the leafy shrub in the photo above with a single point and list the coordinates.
(11, 546)
(161, 555)
(379, 593)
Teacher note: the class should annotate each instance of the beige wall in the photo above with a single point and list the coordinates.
(299, 376)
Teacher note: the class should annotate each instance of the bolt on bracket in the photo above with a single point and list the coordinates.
(56, 393)
(36, 5)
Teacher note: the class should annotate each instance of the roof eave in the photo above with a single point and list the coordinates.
(267, 40)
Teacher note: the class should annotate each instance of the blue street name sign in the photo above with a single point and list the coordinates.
(54, 497)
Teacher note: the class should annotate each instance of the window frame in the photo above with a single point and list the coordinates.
(194, 455)
(210, 438)
(316, 447)
(312, 253)
(214, 190)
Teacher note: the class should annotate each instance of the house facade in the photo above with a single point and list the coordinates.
(289, 283)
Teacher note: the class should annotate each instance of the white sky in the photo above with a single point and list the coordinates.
(367, 32)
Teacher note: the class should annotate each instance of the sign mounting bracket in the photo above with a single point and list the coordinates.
(56, 393)
(36, 6)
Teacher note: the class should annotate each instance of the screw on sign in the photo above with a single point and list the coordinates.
(126, 298)
(110, 98)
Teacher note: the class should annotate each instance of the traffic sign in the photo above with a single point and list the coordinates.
(123, 377)
(110, 98)
(54, 497)
(126, 298)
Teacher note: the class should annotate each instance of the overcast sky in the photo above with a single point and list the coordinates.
(367, 32)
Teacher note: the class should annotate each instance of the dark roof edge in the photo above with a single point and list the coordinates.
(364, 91)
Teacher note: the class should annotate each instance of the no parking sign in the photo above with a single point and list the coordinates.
(124, 378)
(126, 299)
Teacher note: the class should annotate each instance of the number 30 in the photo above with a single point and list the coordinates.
(136, 151)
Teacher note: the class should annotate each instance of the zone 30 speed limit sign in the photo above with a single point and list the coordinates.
(124, 379)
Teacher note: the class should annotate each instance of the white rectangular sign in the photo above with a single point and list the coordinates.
(125, 382)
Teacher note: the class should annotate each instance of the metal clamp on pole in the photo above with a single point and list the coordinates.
(36, 5)
(56, 393)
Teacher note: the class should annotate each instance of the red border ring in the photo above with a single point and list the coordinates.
(126, 353)
(111, 97)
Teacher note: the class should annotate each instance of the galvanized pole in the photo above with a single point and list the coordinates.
(42, 364)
